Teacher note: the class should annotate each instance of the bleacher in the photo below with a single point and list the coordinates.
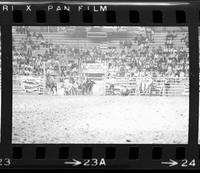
(63, 38)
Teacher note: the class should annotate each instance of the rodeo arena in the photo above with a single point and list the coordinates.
(100, 84)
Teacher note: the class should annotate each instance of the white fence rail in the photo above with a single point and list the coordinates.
(158, 86)
(28, 84)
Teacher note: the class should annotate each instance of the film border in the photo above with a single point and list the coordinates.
(120, 159)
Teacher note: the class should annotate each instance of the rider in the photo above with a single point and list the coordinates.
(111, 82)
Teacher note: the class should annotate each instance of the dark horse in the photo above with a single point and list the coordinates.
(87, 87)
(51, 84)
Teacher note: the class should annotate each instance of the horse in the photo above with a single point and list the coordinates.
(87, 87)
(51, 85)
(90, 86)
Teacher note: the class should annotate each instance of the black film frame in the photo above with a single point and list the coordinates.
(116, 155)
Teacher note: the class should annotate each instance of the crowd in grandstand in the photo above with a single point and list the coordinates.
(136, 57)
(125, 60)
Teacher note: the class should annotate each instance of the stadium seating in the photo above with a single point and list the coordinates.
(63, 38)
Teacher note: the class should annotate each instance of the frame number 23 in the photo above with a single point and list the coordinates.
(5, 162)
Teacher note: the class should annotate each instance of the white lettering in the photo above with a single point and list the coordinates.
(28, 8)
(58, 8)
(80, 7)
(67, 8)
(50, 7)
(103, 8)
(102, 162)
(5, 7)
(95, 10)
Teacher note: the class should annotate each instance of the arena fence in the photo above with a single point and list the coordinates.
(157, 86)
(28, 84)
(133, 86)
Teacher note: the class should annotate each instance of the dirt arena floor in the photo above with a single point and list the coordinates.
(100, 119)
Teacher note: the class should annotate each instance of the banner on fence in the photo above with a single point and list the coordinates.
(31, 84)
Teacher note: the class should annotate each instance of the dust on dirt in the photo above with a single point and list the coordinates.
(100, 119)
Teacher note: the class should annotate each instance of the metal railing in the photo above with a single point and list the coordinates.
(134, 86)
(154, 86)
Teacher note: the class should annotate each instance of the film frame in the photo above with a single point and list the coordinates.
(116, 155)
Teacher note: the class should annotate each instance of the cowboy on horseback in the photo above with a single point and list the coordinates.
(50, 81)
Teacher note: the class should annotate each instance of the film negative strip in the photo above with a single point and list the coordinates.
(100, 84)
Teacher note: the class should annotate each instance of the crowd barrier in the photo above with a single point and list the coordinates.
(28, 84)
(159, 86)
